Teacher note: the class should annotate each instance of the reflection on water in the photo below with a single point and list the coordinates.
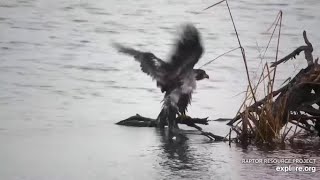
(63, 87)
(177, 152)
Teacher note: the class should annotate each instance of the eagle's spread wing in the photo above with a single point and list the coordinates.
(170, 75)
(188, 50)
(126, 50)
(149, 63)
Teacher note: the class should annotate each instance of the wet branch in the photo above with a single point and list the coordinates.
(307, 51)
(141, 121)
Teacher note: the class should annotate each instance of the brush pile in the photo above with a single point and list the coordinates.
(282, 113)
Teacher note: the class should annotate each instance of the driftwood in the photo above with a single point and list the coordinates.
(307, 51)
(141, 121)
(297, 103)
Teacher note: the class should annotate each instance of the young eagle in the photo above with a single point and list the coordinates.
(176, 77)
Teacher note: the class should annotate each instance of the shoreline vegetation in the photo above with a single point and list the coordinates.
(281, 116)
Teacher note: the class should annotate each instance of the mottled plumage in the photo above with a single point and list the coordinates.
(176, 77)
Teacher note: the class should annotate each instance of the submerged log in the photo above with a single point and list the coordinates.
(141, 121)
(138, 121)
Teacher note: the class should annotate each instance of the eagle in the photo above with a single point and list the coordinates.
(176, 77)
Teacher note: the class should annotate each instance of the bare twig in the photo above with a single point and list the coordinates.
(241, 47)
(277, 21)
(218, 57)
(242, 52)
(214, 5)
(277, 52)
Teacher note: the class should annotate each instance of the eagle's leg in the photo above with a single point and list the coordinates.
(161, 119)
(172, 123)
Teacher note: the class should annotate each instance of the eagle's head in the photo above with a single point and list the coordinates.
(200, 74)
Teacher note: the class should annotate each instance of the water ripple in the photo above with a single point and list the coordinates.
(54, 74)
(88, 68)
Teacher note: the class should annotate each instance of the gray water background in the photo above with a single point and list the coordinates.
(62, 87)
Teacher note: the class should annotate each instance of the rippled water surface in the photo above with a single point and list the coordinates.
(63, 87)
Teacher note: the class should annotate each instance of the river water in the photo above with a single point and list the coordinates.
(63, 87)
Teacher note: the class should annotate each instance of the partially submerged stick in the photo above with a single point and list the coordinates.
(141, 121)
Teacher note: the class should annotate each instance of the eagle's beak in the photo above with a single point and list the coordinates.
(206, 76)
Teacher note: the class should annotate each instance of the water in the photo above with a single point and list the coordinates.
(63, 87)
